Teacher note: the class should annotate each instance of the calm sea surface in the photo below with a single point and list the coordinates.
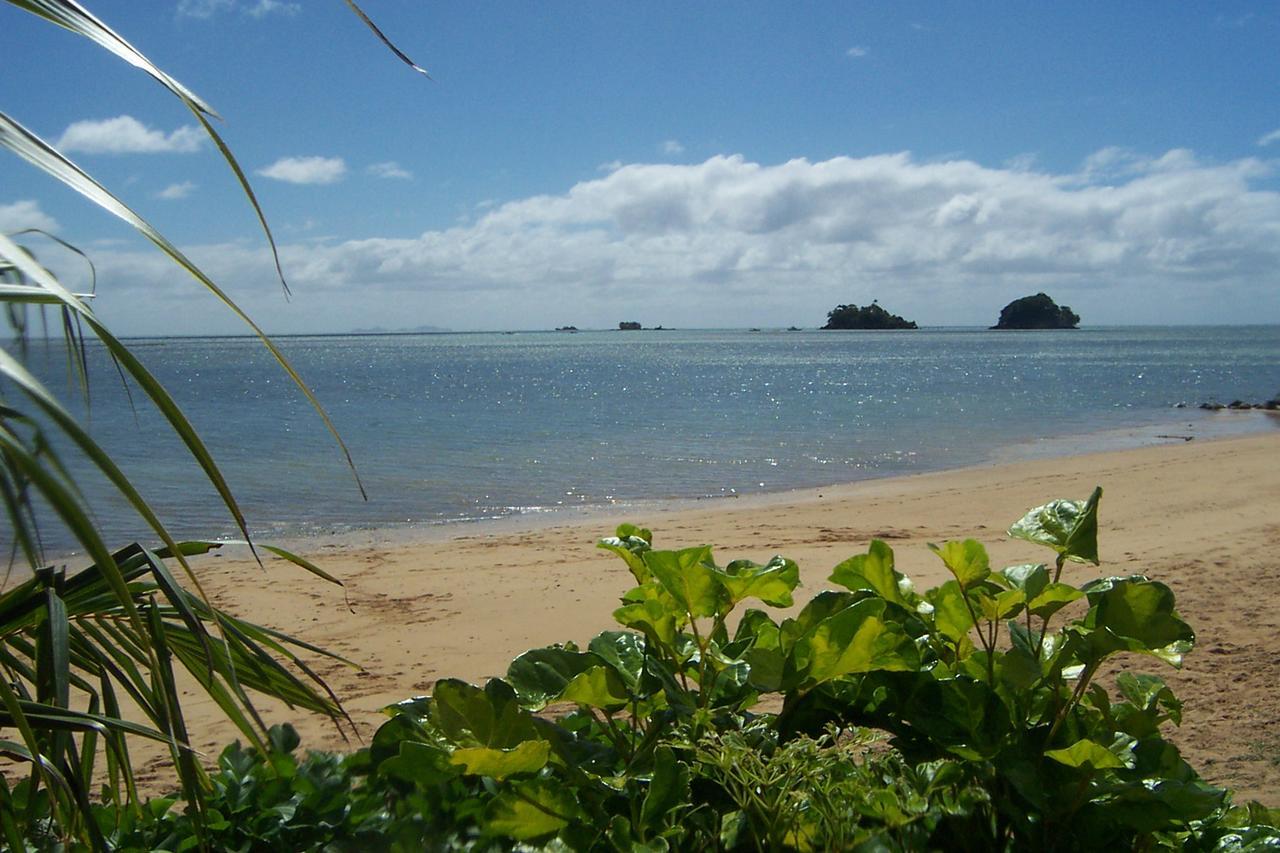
(446, 428)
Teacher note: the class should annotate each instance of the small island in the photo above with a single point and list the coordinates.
(871, 317)
(1037, 312)
(629, 326)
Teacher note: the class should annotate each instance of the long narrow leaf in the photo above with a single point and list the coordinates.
(34, 149)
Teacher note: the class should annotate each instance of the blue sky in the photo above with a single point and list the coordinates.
(705, 164)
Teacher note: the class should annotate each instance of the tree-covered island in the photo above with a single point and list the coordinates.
(1037, 312)
(870, 317)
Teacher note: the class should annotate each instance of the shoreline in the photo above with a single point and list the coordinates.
(1205, 426)
(1199, 516)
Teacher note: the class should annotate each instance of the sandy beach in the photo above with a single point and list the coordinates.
(1201, 516)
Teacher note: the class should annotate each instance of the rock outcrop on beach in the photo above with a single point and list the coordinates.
(870, 317)
(1037, 312)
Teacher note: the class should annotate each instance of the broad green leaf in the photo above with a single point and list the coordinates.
(1068, 527)
(1086, 754)
(490, 717)
(757, 629)
(1053, 598)
(820, 607)
(531, 809)
(625, 652)
(668, 790)
(528, 757)
(1136, 615)
(874, 571)
(1031, 578)
(543, 676)
(652, 610)
(630, 544)
(855, 640)
(967, 560)
(690, 579)
(951, 616)
(772, 583)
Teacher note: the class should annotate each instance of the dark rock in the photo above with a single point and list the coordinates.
(1037, 312)
(871, 317)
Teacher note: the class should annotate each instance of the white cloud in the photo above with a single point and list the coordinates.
(127, 135)
(18, 215)
(390, 169)
(733, 242)
(856, 52)
(203, 8)
(671, 147)
(1268, 138)
(269, 7)
(176, 191)
(306, 170)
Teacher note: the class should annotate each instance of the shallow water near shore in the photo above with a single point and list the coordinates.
(449, 428)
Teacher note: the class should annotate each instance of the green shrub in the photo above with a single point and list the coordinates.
(999, 735)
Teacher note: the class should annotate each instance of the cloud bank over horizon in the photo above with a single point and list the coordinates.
(730, 242)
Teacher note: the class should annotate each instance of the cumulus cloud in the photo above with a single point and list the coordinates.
(671, 147)
(306, 170)
(1268, 138)
(126, 135)
(26, 213)
(390, 170)
(176, 191)
(856, 52)
(733, 242)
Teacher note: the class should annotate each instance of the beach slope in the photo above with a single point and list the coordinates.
(1201, 516)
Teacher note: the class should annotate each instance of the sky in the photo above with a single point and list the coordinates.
(693, 165)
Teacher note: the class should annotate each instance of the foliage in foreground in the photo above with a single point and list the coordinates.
(92, 659)
(655, 737)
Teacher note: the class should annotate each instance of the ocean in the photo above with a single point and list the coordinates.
(455, 428)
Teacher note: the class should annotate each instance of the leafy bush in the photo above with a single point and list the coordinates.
(1002, 736)
(702, 727)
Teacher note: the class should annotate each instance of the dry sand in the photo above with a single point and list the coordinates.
(1201, 516)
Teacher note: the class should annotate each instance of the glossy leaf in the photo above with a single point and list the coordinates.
(689, 578)
(857, 639)
(531, 809)
(1086, 754)
(1068, 527)
(1053, 598)
(543, 676)
(951, 616)
(771, 583)
(1136, 615)
(528, 757)
(874, 571)
(966, 560)
(491, 717)
(668, 790)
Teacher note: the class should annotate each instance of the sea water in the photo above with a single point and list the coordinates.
(457, 427)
